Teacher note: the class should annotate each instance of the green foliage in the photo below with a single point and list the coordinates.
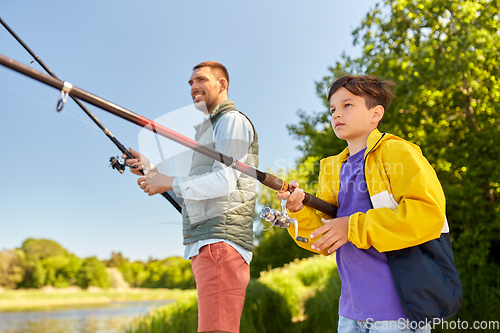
(93, 273)
(38, 249)
(11, 268)
(275, 247)
(38, 276)
(134, 273)
(178, 274)
(70, 270)
(265, 310)
(173, 272)
(321, 310)
(296, 281)
(46, 262)
(273, 303)
(444, 57)
(117, 260)
(287, 284)
(180, 316)
(41, 262)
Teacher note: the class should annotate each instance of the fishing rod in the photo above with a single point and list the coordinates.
(115, 162)
(67, 89)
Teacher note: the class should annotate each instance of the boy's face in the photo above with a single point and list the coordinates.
(351, 119)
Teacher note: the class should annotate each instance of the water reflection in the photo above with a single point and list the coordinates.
(106, 319)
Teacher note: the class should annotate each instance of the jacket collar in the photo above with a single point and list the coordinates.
(222, 108)
(210, 119)
(373, 141)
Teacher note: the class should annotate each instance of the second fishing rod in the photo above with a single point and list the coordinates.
(67, 89)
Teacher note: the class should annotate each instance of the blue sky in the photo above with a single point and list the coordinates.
(56, 182)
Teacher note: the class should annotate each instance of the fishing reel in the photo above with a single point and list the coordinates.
(117, 164)
(281, 219)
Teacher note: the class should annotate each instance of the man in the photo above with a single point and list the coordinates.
(219, 202)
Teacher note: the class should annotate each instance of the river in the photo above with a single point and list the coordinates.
(108, 318)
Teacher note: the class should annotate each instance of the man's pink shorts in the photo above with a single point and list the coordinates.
(222, 276)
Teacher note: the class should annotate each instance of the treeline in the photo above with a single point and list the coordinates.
(43, 262)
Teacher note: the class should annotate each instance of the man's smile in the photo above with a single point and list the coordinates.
(197, 96)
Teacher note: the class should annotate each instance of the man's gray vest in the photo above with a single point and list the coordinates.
(227, 217)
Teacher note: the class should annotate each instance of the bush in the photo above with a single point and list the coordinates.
(321, 310)
(265, 310)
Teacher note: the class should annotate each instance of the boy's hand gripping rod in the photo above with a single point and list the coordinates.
(68, 89)
(115, 162)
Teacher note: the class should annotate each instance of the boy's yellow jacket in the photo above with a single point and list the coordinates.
(407, 197)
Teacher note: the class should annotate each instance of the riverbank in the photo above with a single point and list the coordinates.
(49, 297)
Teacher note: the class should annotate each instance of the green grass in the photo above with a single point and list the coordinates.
(35, 299)
(181, 316)
(300, 297)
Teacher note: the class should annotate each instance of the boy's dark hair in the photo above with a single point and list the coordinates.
(371, 88)
(214, 66)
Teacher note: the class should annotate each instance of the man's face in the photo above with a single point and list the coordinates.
(205, 89)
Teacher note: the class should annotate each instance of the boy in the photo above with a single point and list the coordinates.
(389, 200)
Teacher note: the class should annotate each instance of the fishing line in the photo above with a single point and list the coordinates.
(17, 46)
(51, 106)
(28, 96)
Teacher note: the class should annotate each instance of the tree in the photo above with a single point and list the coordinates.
(52, 266)
(46, 262)
(178, 274)
(134, 273)
(93, 273)
(11, 268)
(70, 271)
(38, 249)
(37, 277)
(173, 272)
(444, 57)
(117, 260)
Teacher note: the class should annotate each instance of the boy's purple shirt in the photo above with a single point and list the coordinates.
(368, 290)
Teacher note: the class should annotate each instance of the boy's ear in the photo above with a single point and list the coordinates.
(377, 113)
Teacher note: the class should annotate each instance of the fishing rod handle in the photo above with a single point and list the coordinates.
(310, 200)
(321, 205)
(166, 195)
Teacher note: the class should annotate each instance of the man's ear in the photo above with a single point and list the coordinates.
(223, 84)
(377, 113)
